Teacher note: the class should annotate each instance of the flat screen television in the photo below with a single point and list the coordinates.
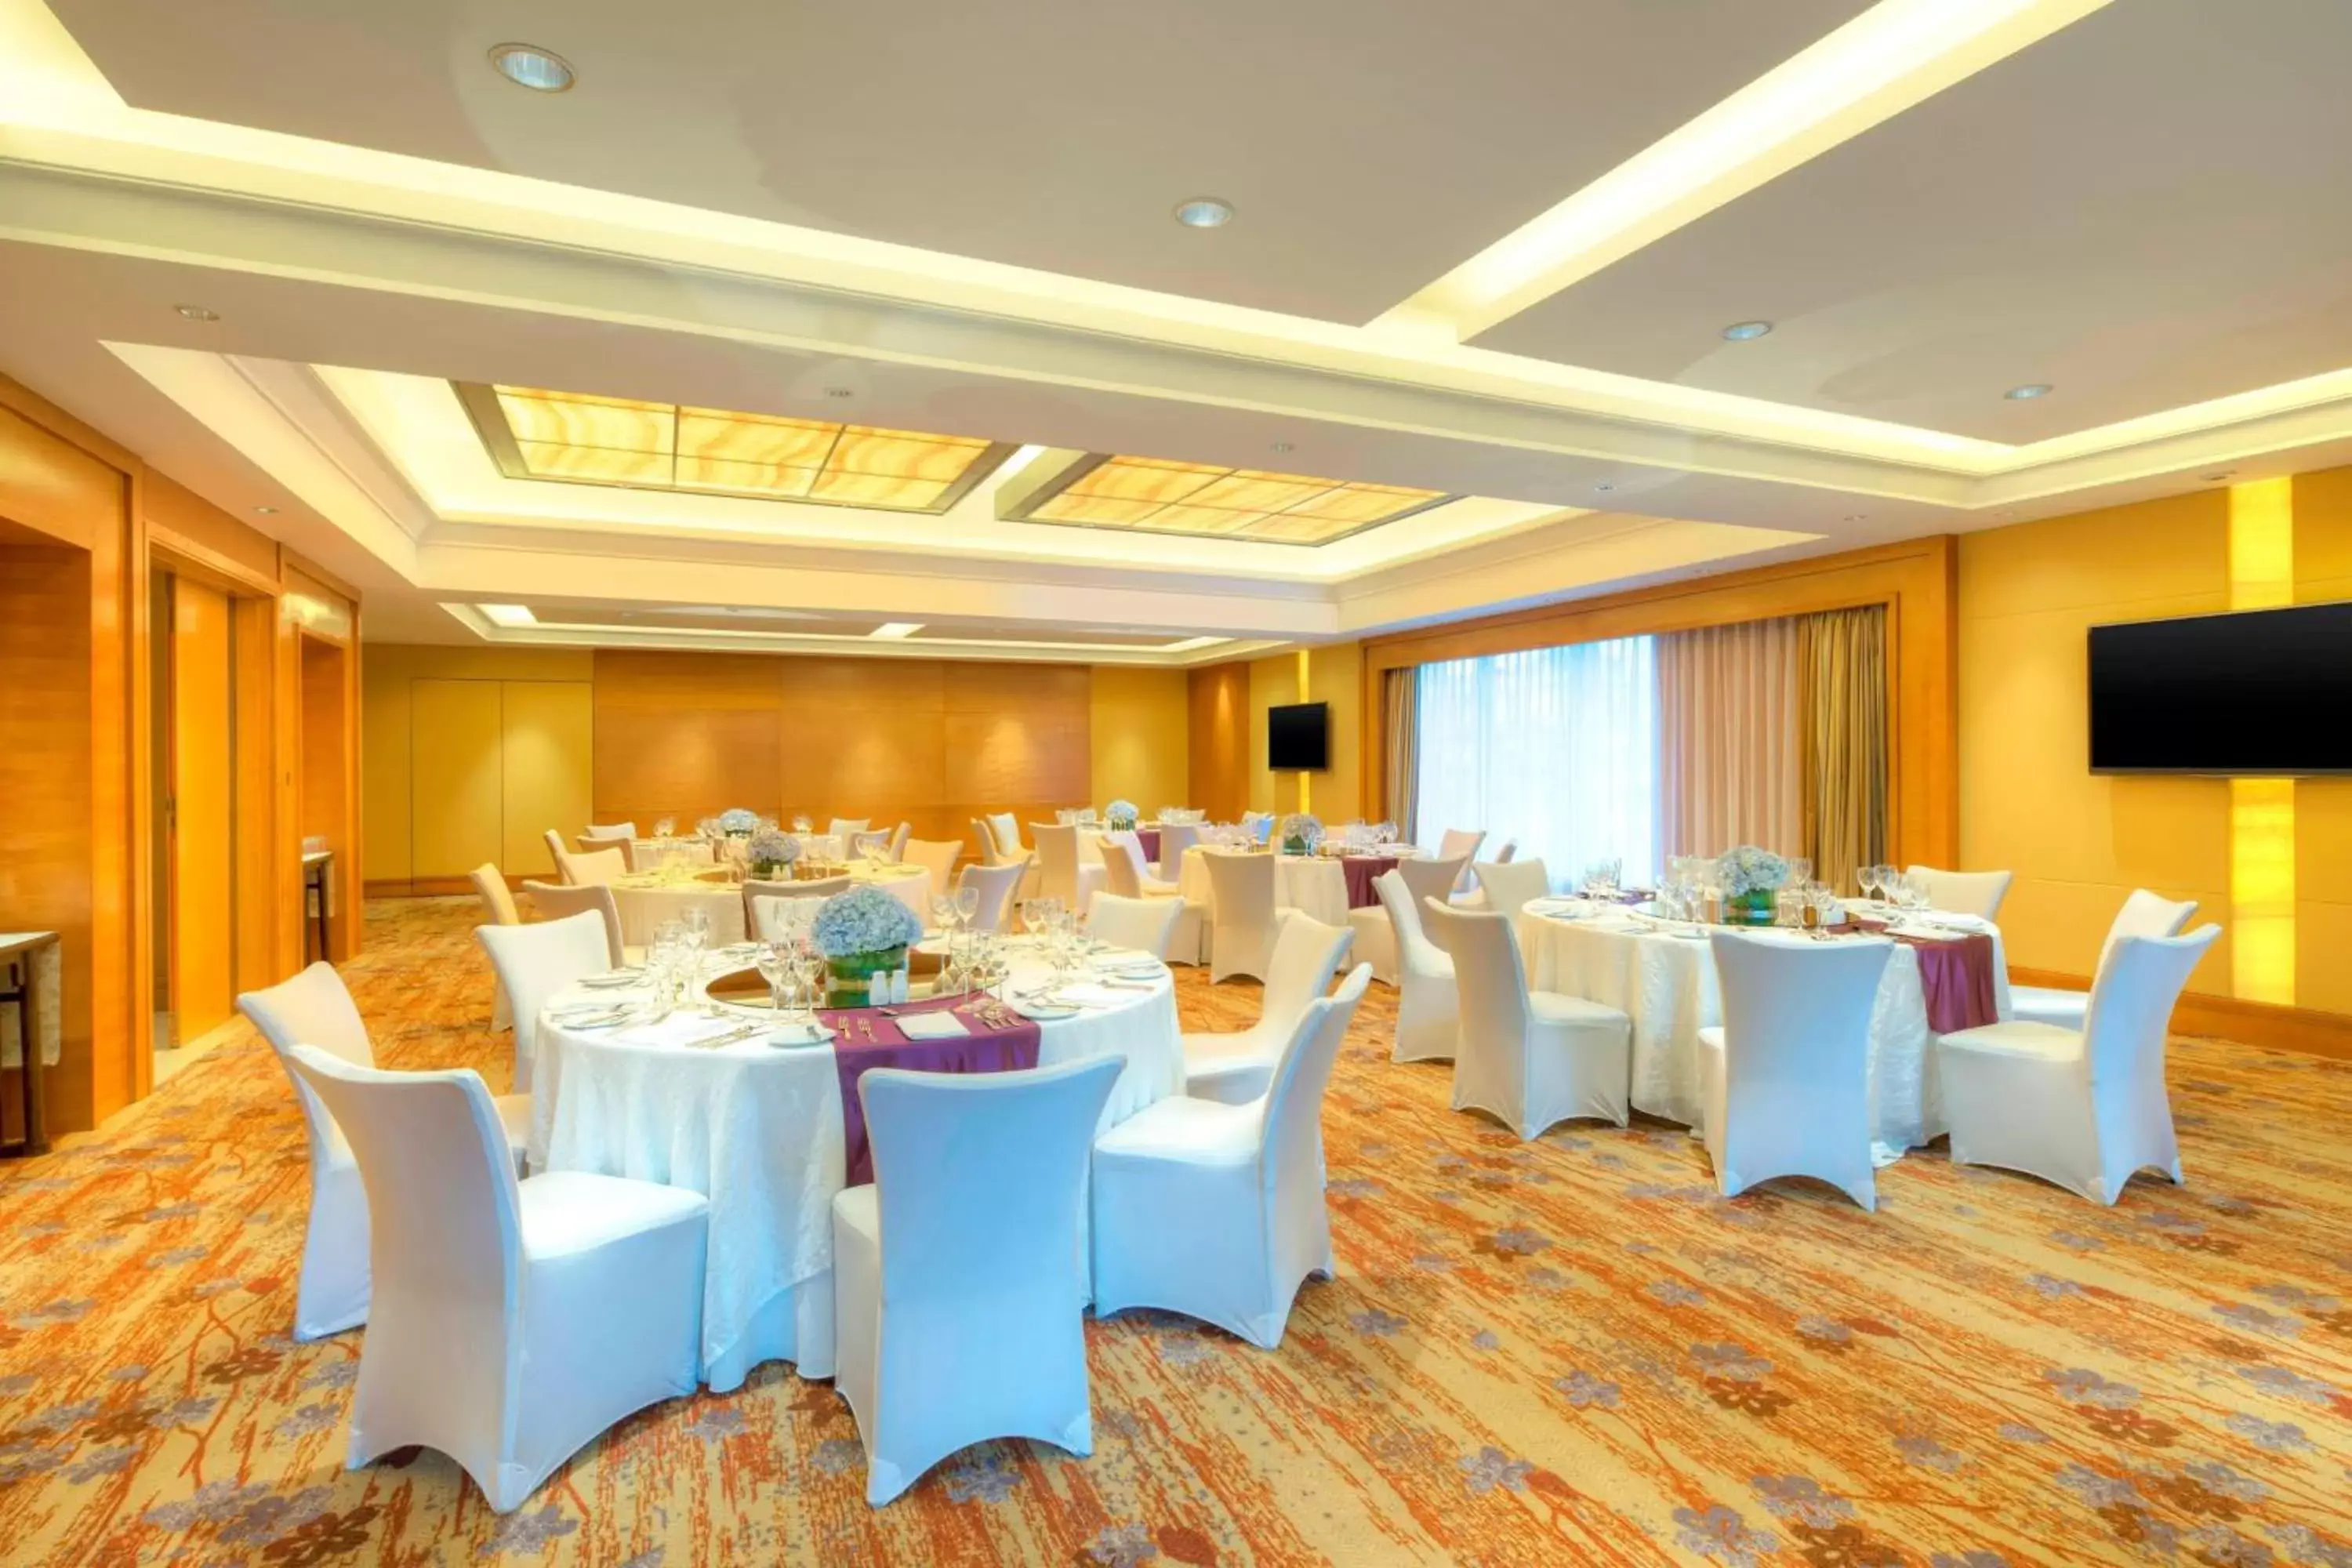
(1299, 737)
(2258, 693)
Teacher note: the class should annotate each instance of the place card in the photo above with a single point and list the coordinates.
(931, 1025)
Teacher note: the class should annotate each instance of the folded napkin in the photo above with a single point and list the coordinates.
(931, 1025)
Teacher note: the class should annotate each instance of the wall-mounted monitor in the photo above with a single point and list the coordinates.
(2258, 693)
(1299, 737)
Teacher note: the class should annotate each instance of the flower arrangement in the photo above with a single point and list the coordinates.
(771, 849)
(1301, 831)
(1751, 880)
(863, 921)
(737, 822)
(1121, 816)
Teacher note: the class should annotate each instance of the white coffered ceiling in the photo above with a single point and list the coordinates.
(1486, 255)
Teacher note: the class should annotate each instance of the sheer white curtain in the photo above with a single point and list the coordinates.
(1557, 747)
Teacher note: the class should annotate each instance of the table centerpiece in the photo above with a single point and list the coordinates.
(1121, 816)
(1751, 879)
(861, 933)
(769, 851)
(739, 822)
(1300, 832)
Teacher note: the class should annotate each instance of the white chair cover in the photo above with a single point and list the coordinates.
(555, 847)
(1978, 893)
(2083, 1109)
(997, 886)
(1241, 915)
(1429, 1004)
(1476, 899)
(1463, 844)
(534, 963)
(1175, 837)
(1006, 833)
(845, 828)
(554, 903)
(1530, 1058)
(936, 856)
(2144, 914)
(959, 1274)
(513, 1321)
(314, 1009)
(1787, 1077)
(1510, 885)
(896, 852)
(1236, 1067)
(1425, 876)
(1061, 871)
(594, 868)
(1130, 877)
(498, 903)
(621, 830)
(1216, 1211)
(764, 902)
(1143, 923)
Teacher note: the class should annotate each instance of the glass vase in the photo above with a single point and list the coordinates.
(849, 979)
(1759, 907)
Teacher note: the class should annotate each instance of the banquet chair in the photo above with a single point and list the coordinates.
(2143, 914)
(1175, 837)
(1476, 899)
(1144, 924)
(1375, 928)
(1977, 893)
(1785, 1079)
(896, 850)
(536, 962)
(314, 1009)
(1529, 1059)
(1063, 872)
(592, 869)
(1130, 876)
(1241, 915)
(2085, 1108)
(1510, 886)
(765, 903)
(555, 903)
(514, 1320)
(1234, 1068)
(1216, 1210)
(938, 856)
(958, 1272)
(611, 831)
(998, 886)
(1429, 1002)
(845, 828)
(1003, 832)
(555, 848)
(498, 902)
(1462, 842)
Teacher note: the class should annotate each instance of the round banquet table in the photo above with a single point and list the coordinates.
(1323, 887)
(759, 1129)
(1665, 982)
(646, 899)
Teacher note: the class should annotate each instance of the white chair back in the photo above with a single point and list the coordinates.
(592, 869)
(1129, 921)
(1796, 1057)
(990, 855)
(313, 1008)
(1057, 860)
(770, 907)
(1978, 893)
(1492, 980)
(1241, 914)
(1510, 850)
(1511, 885)
(610, 830)
(1292, 1115)
(2138, 983)
(554, 903)
(1416, 953)
(497, 898)
(896, 850)
(997, 886)
(1462, 843)
(1175, 837)
(1123, 864)
(845, 828)
(2145, 914)
(1006, 833)
(534, 963)
(1307, 953)
(936, 856)
(1427, 877)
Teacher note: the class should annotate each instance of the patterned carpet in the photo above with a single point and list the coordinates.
(1565, 1351)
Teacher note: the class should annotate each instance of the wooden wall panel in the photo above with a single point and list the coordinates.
(258, 837)
(862, 738)
(1018, 738)
(326, 796)
(546, 750)
(685, 735)
(457, 794)
(1220, 738)
(203, 813)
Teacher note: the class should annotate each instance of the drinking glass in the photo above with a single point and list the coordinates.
(774, 961)
(1032, 912)
(967, 904)
(1801, 870)
(800, 822)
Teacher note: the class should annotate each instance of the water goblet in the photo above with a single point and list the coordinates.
(967, 904)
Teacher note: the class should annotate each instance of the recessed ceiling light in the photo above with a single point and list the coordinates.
(1204, 211)
(1746, 332)
(267, 510)
(1857, 517)
(508, 614)
(839, 392)
(1604, 489)
(1279, 447)
(526, 65)
(197, 312)
(2029, 392)
(2224, 474)
(897, 629)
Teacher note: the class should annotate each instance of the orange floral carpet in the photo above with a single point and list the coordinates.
(1571, 1351)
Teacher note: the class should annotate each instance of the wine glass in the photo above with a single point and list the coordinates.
(967, 904)
(773, 963)
(943, 911)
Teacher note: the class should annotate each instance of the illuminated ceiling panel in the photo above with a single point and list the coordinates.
(1151, 495)
(576, 439)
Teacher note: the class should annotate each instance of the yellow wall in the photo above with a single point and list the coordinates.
(1138, 731)
(1335, 674)
(2078, 843)
(466, 755)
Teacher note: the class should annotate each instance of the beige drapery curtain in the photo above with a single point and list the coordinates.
(1401, 764)
(1730, 769)
(1842, 740)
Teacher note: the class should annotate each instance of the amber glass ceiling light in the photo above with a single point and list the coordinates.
(1151, 495)
(577, 438)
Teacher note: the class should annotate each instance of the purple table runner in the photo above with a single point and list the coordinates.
(1148, 840)
(985, 1050)
(1956, 978)
(1360, 870)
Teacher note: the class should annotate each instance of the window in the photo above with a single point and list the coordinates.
(1558, 746)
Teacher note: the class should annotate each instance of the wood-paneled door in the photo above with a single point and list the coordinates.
(200, 813)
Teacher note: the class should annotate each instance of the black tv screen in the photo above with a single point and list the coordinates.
(1299, 737)
(2259, 692)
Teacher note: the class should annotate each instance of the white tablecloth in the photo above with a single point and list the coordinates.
(759, 1131)
(1315, 884)
(1666, 984)
(647, 898)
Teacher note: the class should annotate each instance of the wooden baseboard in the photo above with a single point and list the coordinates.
(2266, 1023)
(429, 886)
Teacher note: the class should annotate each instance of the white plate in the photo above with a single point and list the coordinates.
(791, 1034)
(1044, 1011)
(607, 981)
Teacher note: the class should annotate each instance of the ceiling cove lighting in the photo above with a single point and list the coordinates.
(2029, 392)
(526, 65)
(1896, 54)
(897, 629)
(1746, 332)
(578, 438)
(1204, 211)
(1153, 495)
(509, 615)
